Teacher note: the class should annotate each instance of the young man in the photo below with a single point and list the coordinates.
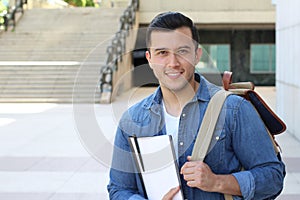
(177, 108)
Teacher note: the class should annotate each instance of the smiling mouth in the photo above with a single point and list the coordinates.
(173, 74)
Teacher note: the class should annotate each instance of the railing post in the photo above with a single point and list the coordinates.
(116, 50)
(106, 84)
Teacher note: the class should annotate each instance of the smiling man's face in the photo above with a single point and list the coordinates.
(172, 56)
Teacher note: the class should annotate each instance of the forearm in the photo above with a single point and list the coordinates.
(117, 192)
(125, 195)
(226, 184)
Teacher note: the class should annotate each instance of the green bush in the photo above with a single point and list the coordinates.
(81, 3)
(3, 10)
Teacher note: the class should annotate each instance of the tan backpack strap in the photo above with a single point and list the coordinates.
(207, 128)
(228, 197)
(208, 125)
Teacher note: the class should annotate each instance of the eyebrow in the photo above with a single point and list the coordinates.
(163, 48)
(159, 49)
(185, 47)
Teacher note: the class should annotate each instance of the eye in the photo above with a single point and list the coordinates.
(162, 53)
(182, 51)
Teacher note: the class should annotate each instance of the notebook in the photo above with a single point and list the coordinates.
(157, 166)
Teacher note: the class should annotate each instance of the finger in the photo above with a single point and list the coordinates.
(193, 163)
(189, 177)
(172, 192)
(187, 170)
(190, 167)
(191, 183)
(187, 165)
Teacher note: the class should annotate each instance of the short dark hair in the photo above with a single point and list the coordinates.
(171, 21)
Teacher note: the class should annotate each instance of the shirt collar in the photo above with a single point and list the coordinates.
(206, 89)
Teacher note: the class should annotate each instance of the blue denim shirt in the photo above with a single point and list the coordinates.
(240, 140)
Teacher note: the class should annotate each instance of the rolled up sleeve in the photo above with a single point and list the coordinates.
(247, 184)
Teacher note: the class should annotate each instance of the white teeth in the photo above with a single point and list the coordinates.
(173, 74)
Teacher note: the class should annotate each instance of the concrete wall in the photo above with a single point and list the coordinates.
(212, 11)
(288, 63)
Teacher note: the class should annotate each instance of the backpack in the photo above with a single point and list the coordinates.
(272, 122)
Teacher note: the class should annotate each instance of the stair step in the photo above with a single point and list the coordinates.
(78, 35)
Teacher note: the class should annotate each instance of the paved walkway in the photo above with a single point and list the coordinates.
(42, 153)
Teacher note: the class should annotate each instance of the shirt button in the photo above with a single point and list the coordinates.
(217, 138)
(180, 143)
(183, 115)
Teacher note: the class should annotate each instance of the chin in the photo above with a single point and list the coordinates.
(175, 88)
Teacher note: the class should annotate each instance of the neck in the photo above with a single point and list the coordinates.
(176, 100)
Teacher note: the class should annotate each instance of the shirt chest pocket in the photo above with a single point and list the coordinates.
(216, 153)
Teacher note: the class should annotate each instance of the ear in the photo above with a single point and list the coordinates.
(198, 55)
(148, 57)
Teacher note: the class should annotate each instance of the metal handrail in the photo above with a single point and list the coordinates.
(117, 47)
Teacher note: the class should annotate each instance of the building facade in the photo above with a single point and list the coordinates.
(239, 36)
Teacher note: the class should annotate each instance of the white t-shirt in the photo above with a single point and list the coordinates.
(172, 124)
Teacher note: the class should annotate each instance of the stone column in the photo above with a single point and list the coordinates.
(288, 63)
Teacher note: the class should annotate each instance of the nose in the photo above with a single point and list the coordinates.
(173, 60)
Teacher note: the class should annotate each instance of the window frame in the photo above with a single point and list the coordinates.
(211, 59)
(253, 71)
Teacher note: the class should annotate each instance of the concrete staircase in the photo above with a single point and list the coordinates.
(55, 55)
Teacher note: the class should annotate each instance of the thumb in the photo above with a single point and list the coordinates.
(172, 192)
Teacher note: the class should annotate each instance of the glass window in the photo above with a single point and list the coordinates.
(215, 58)
(263, 58)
